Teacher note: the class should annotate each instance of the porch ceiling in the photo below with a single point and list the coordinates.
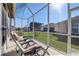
(9, 7)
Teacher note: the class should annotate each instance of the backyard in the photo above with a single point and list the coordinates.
(53, 40)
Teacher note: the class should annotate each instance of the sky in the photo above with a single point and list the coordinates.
(58, 13)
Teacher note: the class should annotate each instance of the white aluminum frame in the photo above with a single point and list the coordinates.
(69, 28)
(69, 25)
(69, 31)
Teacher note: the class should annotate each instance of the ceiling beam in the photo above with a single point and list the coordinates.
(37, 11)
(21, 18)
(75, 8)
(32, 12)
(29, 9)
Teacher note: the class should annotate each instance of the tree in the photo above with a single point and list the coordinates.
(18, 29)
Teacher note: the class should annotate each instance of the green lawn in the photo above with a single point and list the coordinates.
(53, 40)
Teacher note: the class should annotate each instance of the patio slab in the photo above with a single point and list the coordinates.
(11, 51)
(51, 50)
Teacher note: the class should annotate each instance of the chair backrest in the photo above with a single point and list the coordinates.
(18, 37)
(14, 35)
(16, 41)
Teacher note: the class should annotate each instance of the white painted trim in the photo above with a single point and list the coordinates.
(74, 36)
(48, 19)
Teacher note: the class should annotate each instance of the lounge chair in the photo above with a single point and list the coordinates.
(31, 50)
(24, 40)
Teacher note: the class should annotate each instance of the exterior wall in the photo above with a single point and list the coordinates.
(45, 29)
(51, 29)
(0, 28)
(76, 26)
(5, 30)
(61, 27)
(37, 26)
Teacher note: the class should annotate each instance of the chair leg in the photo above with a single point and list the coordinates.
(16, 50)
(22, 54)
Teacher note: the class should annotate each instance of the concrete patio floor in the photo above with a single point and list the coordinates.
(11, 51)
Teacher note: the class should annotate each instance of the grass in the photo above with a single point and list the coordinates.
(53, 40)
